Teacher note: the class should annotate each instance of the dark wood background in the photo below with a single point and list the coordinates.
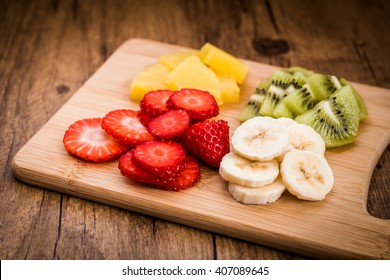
(48, 49)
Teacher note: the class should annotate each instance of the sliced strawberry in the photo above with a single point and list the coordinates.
(208, 141)
(161, 158)
(154, 102)
(134, 172)
(199, 104)
(144, 118)
(86, 139)
(126, 127)
(186, 179)
(170, 125)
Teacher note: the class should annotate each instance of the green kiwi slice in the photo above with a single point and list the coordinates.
(252, 108)
(335, 118)
(323, 85)
(294, 69)
(301, 100)
(279, 83)
(362, 106)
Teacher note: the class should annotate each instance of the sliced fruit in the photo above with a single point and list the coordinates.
(292, 70)
(303, 137)
(153, 77)
(125, 126)
(360, 101)
(230, 91)
(323, 85)
(199, 104)
(336, 118)
(252, 108)
(170, 125)
(171, 60)
(260, 138)
(301, 100)
(239, 170)
(192, 73)
(258, 196)
(306, 175)
(160, 158)
(223, 62)
(87, 140)
(276, 92)
(186, 179)
(208, 141)
(154, 102)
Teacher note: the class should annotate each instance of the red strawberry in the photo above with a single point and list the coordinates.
(208, 141)
(144, 118)
(130, 170)
(161, 158)
(126, 127)
(199, 104)
(186, 179)
(170, 125)
(86, 139)
(154, 102)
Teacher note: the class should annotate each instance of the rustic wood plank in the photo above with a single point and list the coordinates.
(50, 48)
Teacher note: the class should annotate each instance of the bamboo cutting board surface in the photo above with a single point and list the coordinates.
(337, 227)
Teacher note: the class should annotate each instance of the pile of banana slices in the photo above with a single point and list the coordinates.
(271, 155)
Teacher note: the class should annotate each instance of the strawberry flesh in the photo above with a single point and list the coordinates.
(208, 141)
(126, 127)
(170, 125)
(160, 158)
(199, 104)
(87, 140)
(154, 102)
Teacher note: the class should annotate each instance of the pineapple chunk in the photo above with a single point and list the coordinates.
(192, 73)
(229, 89)
(173, 59)
(153, 77)
(223, 62)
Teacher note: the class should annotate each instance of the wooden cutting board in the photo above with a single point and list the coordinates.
(337, 227)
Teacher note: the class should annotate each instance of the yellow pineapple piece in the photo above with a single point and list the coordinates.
(173, 59)
(230, 91)
(223, 62)
(192, 73)
(153, 77)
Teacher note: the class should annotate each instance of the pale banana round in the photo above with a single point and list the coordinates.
(306, 175)
(261, 195)
(241, 171)
(260, 138)
(303, 137)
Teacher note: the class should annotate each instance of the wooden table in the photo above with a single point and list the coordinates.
(49, 49)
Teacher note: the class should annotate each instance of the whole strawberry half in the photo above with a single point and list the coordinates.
(208, 141)
(87, 140)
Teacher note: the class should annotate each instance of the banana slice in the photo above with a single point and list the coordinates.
(241, 171)
(306, 175)
(260, 138)
(261, 195)
(303, 137)
(286, 121)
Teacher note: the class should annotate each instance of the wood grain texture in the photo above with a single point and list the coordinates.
(314, 229)
(48, 49)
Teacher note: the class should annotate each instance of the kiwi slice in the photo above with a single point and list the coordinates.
(292, 70)
(323, 85)
(335, 118)
(301, 100)
(279, 83)
(362, 106)
(252, 108)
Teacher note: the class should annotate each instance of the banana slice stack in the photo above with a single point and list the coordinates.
(271, 155)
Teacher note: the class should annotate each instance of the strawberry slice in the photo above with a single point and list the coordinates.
(199, 104)
(170, 125)
(160, 158)
(154, 102)
(126, 127)
(134, 172)
(86, 139)
(186, 179)
(208, 141)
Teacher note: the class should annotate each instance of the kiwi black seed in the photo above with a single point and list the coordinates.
(335, 118)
